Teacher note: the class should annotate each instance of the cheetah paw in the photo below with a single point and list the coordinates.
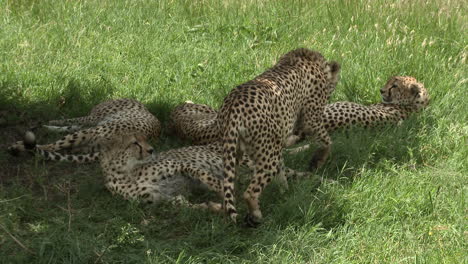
(251, 221)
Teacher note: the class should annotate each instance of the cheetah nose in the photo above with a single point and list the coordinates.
(151, 151)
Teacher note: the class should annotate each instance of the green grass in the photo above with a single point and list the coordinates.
(395, 195)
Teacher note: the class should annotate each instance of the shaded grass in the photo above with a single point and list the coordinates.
(395, 195)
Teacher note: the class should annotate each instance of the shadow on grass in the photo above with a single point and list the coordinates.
(357, 147)
(20, 112)
(76, 98)
(105, 218)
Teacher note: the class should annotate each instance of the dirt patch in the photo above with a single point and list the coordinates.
(24, 167)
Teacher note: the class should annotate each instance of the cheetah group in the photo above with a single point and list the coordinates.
(255, 126)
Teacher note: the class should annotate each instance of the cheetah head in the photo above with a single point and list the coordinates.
(126, 151)
(405, 91)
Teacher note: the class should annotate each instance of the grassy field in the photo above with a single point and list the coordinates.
(396, 195)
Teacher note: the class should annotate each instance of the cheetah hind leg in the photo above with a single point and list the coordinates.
(209, 180)
(89, 136)
(29, 144)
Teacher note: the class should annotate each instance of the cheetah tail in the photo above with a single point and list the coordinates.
(230, 145)
(31, 145)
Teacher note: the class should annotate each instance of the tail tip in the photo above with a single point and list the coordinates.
(29, 140)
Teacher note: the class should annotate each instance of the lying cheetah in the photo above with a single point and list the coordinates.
(195, 122)
(114, 117)
(257, 118)
(403, 95)
(132, 170)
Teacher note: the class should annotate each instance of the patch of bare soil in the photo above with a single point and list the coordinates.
(24, 167)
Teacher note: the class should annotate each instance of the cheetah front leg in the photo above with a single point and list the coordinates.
(209, 180)
(63, 129)
(321, 154)
(297, 149)
(180, 200)
(314, 126)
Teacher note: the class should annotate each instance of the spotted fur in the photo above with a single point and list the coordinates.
(409, 96)
(405, 91)
(195, 122)
(106, 120)
(133, 171)
(257, 118)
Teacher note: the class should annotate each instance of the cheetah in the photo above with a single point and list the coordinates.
(401, 96)
(134, 171)
(257, 117)
(107, 119)
(197, 122)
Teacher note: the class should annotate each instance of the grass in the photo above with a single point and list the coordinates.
(395, 195)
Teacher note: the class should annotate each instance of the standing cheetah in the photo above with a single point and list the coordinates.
(257, 118)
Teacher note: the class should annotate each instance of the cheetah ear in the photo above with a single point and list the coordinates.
(415, 89)
(335, 67)
(391, 79)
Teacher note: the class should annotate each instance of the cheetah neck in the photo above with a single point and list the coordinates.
(119, 175)
(342, 115)
(117, 165)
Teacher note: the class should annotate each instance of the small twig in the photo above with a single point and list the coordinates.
(5, 201)
(69, 208)
(16, 240)
(102, 254)
(66, 190)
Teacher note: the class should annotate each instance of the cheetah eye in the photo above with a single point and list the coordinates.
(394, 86)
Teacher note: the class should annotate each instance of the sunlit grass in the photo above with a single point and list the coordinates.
(390, 196)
